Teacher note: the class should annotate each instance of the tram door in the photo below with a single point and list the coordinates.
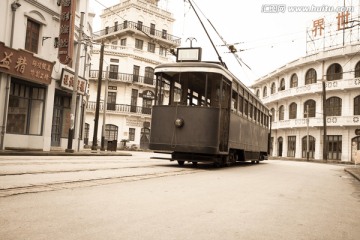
(225, 115)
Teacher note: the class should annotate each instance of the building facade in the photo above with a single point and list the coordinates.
(35, 87)
(301, 92)
(137, 36)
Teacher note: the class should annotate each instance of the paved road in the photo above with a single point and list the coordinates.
(159, 200)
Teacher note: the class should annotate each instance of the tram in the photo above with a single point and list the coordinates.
(203, 113)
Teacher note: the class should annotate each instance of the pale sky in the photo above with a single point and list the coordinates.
(269, 40)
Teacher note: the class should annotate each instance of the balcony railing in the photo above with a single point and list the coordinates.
(123, 77)
(119, 108)
(135, 26)
(318, 122)
(353, 83)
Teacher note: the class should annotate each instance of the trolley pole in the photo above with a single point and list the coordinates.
(75, 89)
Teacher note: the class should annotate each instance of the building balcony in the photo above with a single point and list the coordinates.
(123, 77)
(113, 108)
(129, 27)
(337, 85)
(331, 121)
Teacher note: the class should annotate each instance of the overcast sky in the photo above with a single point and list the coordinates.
(266, 40)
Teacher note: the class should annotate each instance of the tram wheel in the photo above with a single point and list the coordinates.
(194, 164)
(181, 163)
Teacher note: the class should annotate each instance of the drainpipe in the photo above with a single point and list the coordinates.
(14, 7)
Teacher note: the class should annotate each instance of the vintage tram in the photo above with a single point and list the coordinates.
(203, 113)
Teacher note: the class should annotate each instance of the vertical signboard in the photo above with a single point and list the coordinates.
(66, 33)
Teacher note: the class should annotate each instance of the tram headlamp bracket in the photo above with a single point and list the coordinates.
(179, 122)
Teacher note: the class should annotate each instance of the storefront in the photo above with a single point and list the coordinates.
(25, 98)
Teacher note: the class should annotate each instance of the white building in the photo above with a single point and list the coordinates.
(137, 35)
(34, 101)
(295, 92)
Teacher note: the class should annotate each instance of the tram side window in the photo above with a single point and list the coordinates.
(241, 106)
(234, 101)
(246, 107)
(250, 110)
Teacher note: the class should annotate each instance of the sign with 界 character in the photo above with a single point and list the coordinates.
(25, 65)
(66, 33)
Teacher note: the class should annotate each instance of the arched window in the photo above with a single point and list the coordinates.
(292, 110)
(294, 81)
(357, 70)
(273, 88)
(333, 106)
(310, 76)
(111, 132)
(258, 93)
(334, 72)
(311, 146)
(311, 106)
(265, 92)
(357, 105)
(149, 75)
(282, 85)
(281, 112)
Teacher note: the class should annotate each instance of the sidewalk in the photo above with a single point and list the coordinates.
(84, 152)
(354, 171)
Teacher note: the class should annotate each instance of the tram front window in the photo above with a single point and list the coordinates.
(193, 89)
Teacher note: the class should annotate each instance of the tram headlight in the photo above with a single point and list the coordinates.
(179, 122)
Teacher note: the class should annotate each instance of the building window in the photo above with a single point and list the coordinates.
(311, 106)
(265, 92)
(134, 97)
(111, 132)
(152, 29)
(333, 106)
(151, 47)
(310, 76)
(334, 147)
(357, 70)
(280, 146)
(111, 101)
(114, 45)
(123, 42)
(282, 85)
(273, 88)
(334, 72)
(164, 34)
(139, 26)
(26, 108)
(311, 147)
(294, 81)
(113, 73)
(136, 72)
(32, 36)
(86, 134)
(116, 26)
(281, 112)
(162, 51)
(139, 44)
(131, 134)
(291, 146)
(149, 75)
(258, 93)
(357, 105)
(292, 111)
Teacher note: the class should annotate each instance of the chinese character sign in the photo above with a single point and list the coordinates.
(67, 82)
(66, 31)
(25, 65)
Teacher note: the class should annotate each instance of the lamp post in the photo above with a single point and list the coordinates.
(104, 113)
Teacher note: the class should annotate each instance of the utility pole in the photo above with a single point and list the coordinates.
(307, 131)
(324, 121)
(97, 109)
(104, 113)
(75, 89)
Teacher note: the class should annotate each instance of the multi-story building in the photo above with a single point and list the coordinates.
(35, 85)
(315, 101)
(137, 36)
